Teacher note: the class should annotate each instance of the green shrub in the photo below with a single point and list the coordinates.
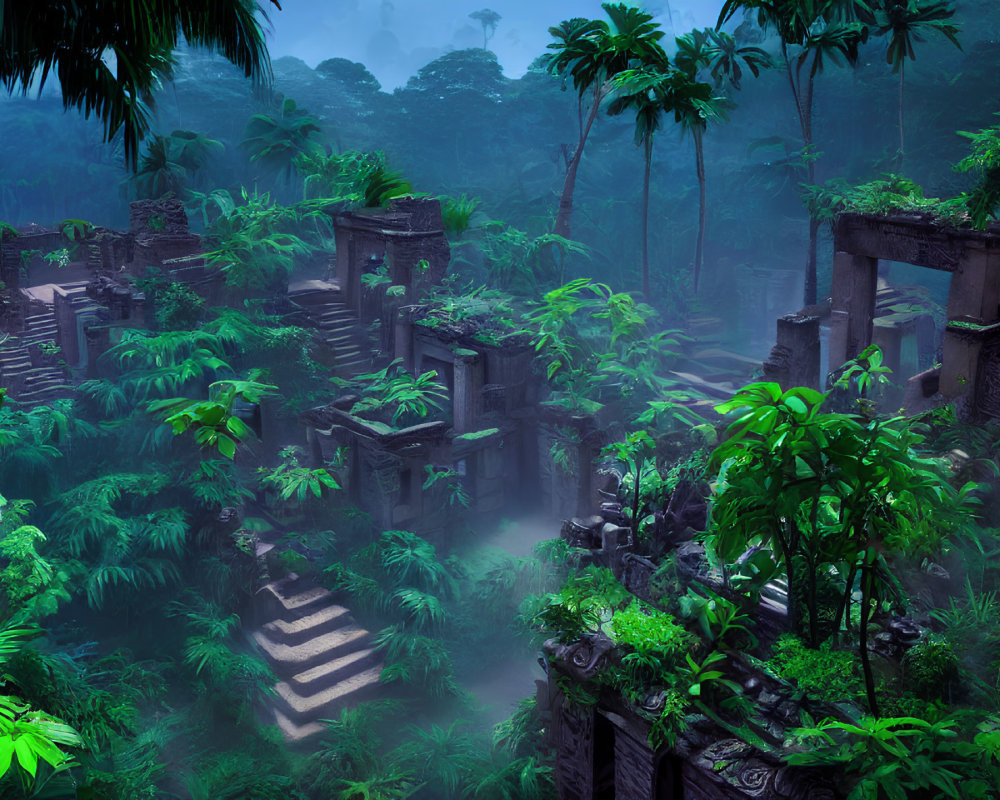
(822, 674)
(930, 665)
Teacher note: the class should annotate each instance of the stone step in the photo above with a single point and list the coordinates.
(332, 313)
(292, 659)
(341, 337)
(293, 732)
(323, 676)
(48, 328)
(327, 703)
(295, 600)
(263, 548)
(39, 382)
(304, 628)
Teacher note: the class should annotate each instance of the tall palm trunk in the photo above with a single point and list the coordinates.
(803, 105)
(562, 226)
(699, 160)
(902, 149)
(648, 153)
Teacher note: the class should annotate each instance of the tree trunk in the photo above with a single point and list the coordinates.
(866, 601)
(810, 289)
(699, 160)
(902, 149)
(844, 610)
(648, 152)
(562, 226)
(813, 600)
(790, 576)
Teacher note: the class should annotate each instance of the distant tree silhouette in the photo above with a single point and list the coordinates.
(488, 18)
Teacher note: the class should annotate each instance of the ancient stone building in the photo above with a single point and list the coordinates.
(859, 314)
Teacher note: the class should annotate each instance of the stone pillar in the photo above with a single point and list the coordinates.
(613, 542)
(974, 294)
(572, 736)
(926, 333)
(853, 309)
(490, 481)
(468, 398)
(635, 767)
(794, 360)
(961, 368)
(402, 345)
(890, 336)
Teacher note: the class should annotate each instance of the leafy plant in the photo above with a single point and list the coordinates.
(456, 212)
(823, 673)
(393, 390)
(901, 757)
(27, 735)
(214, 420)
(522, 264)
(451, 482)
(418, 661)
(822, 491)
(984, 162)
(930, 666)
(288, 479)
(34, 585)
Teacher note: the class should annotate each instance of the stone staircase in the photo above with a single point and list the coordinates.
(326, 662)
(336, 325)
(28, 384)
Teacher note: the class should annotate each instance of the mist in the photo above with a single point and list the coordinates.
(394, 38)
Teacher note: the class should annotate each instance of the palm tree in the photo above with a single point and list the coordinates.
(579, 55)
(719, 54)
(591, 52)
(169, 161)
(159, 170)
(275, 142)
(73, 41)
(651, 91)
(811, 32)
(905, 22)
(725, 55)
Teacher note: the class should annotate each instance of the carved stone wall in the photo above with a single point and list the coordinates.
(988, 379)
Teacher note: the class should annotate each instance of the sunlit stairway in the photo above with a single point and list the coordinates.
(325, 661)
(336, 325)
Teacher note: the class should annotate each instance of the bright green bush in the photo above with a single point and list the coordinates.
(822, 674)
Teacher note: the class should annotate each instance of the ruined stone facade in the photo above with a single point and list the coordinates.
(861, 314)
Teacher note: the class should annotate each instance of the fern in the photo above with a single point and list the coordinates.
(166, 530)
(109, 398)
(410, 559)
(215, 484)
(456, 212)
(422, 609)
(417, 661)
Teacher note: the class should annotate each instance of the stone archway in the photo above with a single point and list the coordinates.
(969, 375)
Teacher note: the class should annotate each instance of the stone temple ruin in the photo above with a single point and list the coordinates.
(968, 372)
(495, 437)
